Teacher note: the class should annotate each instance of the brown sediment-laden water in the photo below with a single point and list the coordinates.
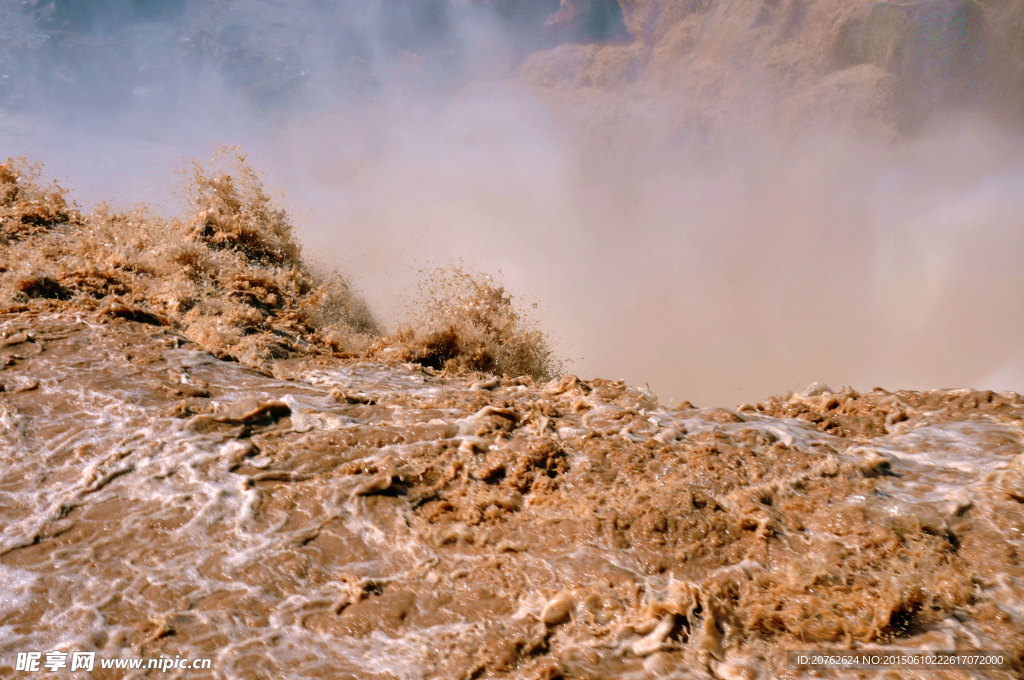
(208, 450)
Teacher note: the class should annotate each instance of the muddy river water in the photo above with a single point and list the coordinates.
(343, 519)
(214, 456)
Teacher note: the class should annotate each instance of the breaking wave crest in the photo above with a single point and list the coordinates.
(230, 276)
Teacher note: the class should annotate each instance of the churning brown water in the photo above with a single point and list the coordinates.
(325, 501)
(350, 519)
(212, 449)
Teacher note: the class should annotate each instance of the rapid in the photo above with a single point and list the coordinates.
(327, 435)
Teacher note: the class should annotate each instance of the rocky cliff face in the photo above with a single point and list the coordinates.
(884, 68)
(110, 55)
(878, 66)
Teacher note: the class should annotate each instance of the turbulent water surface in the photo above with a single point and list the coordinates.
(213, 449)
(345, 519)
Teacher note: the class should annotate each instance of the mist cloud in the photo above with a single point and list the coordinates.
(680, 219)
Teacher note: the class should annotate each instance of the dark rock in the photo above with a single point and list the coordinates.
(586, 21)
(96, 62)
(107, 16)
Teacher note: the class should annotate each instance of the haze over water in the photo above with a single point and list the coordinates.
(723, 204)
(312, 436)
